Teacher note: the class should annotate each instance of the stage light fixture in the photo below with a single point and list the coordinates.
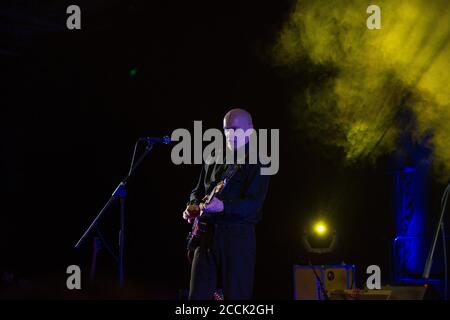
(319, 237)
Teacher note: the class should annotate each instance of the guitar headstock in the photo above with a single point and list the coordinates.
(220, 186)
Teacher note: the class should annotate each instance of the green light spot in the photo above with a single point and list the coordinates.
(133, 72)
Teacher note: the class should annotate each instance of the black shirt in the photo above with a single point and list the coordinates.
(243, 195)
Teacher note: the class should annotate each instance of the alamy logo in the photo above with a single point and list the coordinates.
(214, 152)
(374, 280)
(74, 279)
(74, 20)
(374, 20)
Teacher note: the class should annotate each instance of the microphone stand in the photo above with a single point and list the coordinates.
(119, 193)
(440, 227)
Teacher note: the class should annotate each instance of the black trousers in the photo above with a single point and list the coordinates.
(226, 258)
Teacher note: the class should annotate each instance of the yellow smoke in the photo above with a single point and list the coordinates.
(371, 75)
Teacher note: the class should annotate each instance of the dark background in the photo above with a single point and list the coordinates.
(71, 112)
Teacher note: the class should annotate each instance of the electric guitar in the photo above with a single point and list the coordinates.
(200, 224)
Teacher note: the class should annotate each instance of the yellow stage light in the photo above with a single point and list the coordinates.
(320, 228)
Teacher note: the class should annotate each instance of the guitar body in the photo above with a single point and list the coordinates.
(199, 228)
(200, 224)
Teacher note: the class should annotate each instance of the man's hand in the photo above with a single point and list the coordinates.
(215, 205)
(191, 212)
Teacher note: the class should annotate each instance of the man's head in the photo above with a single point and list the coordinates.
(237, 119)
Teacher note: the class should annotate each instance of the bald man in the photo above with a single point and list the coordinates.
(225, 257)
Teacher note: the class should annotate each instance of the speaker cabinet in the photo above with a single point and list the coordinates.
(308, 279)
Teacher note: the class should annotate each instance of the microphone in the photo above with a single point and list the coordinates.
(163, 140)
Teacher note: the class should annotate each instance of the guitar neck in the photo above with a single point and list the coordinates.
(214, 191)
(221, 185)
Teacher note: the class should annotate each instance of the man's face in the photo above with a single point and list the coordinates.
(236, 138)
